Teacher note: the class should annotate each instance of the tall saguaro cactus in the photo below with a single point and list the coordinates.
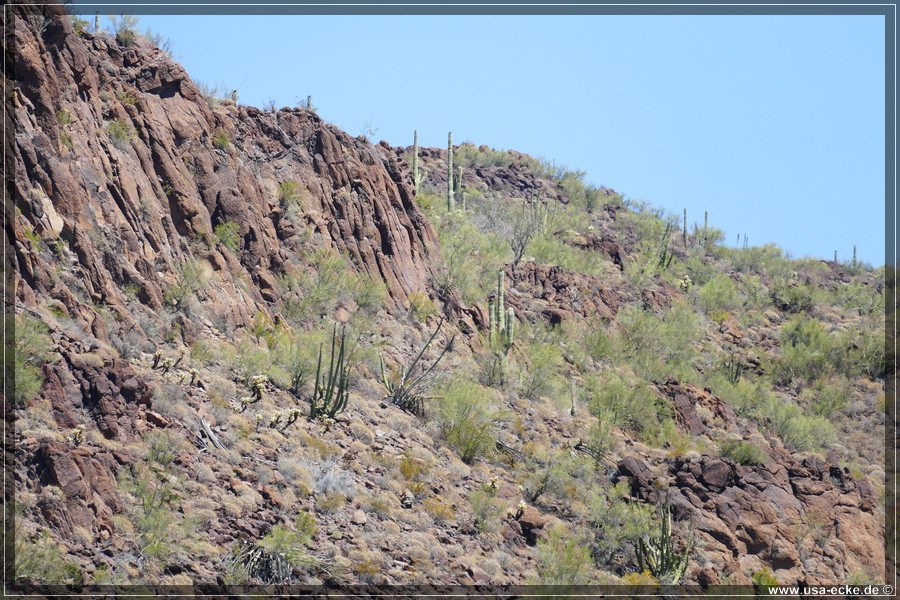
(415, 164)
(684, 229)
(501, 323)
(451, 202)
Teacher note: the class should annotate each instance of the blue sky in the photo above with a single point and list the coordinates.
(775, 124)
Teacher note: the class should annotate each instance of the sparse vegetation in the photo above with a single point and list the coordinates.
(121, 133)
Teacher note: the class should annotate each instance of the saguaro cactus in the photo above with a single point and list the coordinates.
(451, 202)
(501, 323)
(684, 230)
(415, 165)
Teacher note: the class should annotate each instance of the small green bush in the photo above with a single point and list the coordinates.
(221, 139)
(32, 350)
(466, 418)
(288, 193)
(719, 294)
(798, 431)
(563, 559)
(790, 296)
(121, 133)
(623, 402)
(743, 453)
(660, 346)
(227, 233)
(616, 522)
(543, 377)
(191, 278)
(41, 562)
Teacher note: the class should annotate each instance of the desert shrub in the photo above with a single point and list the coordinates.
(552, 250)
(287, 543)
(615, 523)
(487, 510)
(791, 296)
(543, 375)
(556, 474)
(328, 478)
(623, 402)
(33, 348)
(220, 139)
(469, 155)
(41, 561)
(660, 346)
(421, 307)
(466, 418)
(597, 342)
(191, 278)
(826, 398)
(798, 431)
(498, 370)
(807, 352)
(228, 234)
(764, 578)
(743, 453)
(288, 193)
(563, 558)
(719, 294)
(310, 293)
(460, 240)
(121, 133)
(747, 398)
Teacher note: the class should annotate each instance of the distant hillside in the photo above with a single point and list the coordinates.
(253, 349)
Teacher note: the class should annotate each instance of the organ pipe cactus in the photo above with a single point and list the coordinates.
(332, 387)
(657, 554)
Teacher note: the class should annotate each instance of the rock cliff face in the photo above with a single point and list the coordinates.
(120, 157)
(131, 187)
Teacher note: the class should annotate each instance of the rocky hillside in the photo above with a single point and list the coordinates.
(185, 268)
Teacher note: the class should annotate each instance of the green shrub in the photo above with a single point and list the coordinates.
(660, 346)
(743, 453)
(616, 522)
(719, 294)
(221, 139)
(33, 349)
(798, 431)
(625, 403)
(79, 25)
(41, 561)
(563, 559)
(191, 278)
(543, 375)
(64, 117)
(826, 398)
(466, 418)
(807, 352)
(288, 193)
(121, 133)
(227, 233)
(287, 543)
(791, 296)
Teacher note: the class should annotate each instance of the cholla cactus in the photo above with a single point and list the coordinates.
(157, 356)
(275, 420)
(195, 374)
(257, 384)
(77, 436)
(685, 284)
